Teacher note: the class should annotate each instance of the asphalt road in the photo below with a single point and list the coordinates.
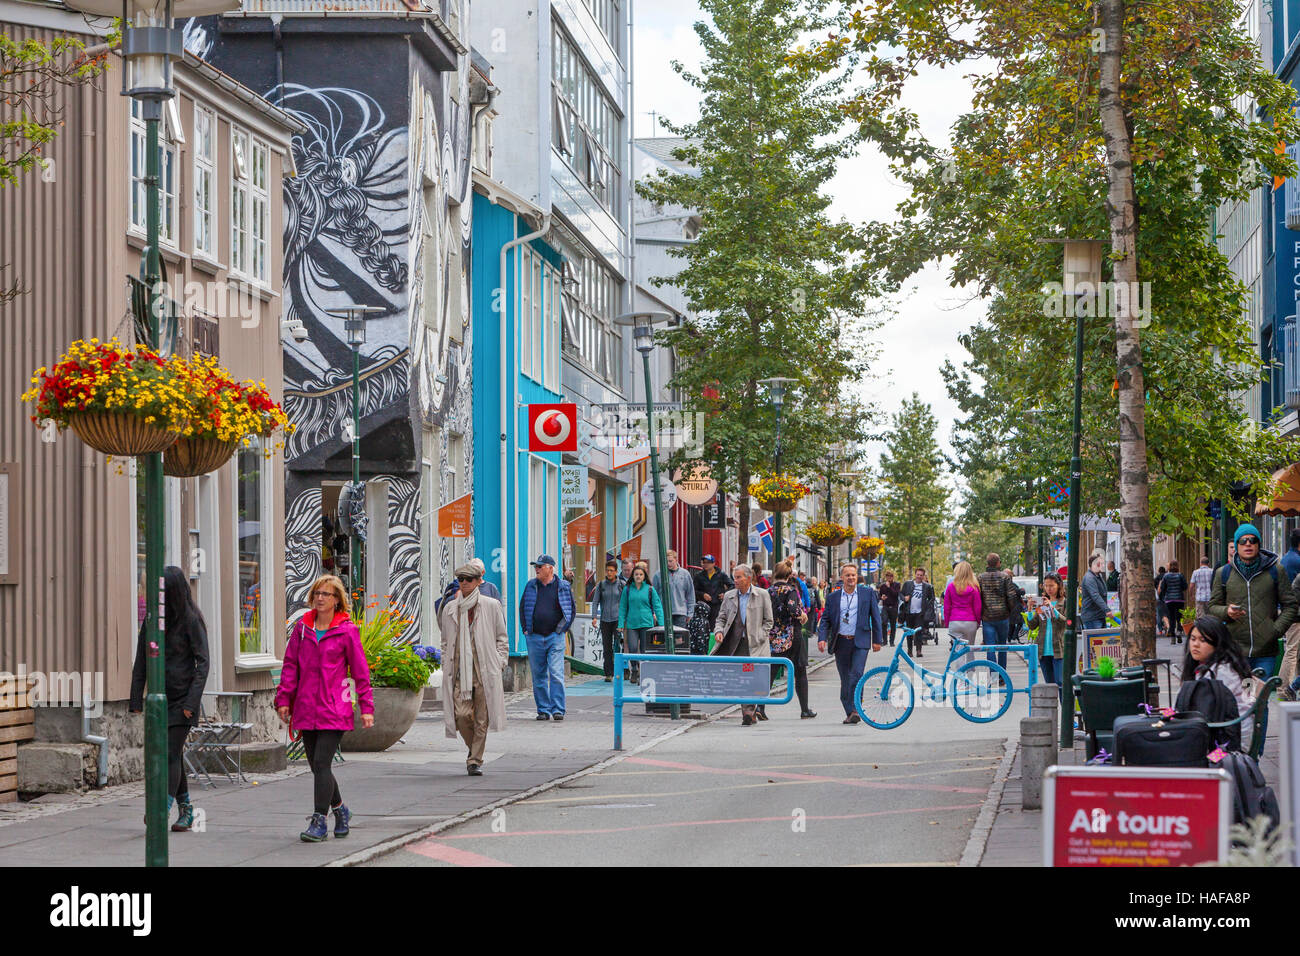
(786, 791)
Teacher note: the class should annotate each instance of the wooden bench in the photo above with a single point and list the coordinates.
(17, 723)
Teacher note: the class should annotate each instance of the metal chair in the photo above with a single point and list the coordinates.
(1101, 701)
(1257, 712)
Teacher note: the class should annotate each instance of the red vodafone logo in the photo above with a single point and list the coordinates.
(553, 427)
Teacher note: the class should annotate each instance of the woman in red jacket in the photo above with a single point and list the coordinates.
(314, 696)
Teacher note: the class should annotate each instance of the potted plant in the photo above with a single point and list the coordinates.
(225, 413)
(119, 401)
(778, 493)
(1188, 619)
(397, 676)
(828, 534)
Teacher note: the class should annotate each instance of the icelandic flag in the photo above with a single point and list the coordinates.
(766, 532)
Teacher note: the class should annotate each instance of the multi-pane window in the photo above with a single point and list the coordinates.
(205, 181)
(585, 124)
(166, 178)
(588, 310)
(252, 500)
(539, 312)
(605, 13)
(250, 206)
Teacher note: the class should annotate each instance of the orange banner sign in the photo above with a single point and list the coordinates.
(583, 530)
(454, 518)
(630, 550)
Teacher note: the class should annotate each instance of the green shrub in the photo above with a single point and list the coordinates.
(394, 666)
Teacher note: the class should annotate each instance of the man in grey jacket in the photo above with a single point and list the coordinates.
(1094, 608)
(604, 610)
(683, 590)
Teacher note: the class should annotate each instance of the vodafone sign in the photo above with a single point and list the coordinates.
(553, 427)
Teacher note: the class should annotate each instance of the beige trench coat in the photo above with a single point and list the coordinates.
(491, 650)
(758, 619)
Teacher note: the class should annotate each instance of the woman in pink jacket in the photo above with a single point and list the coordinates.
(961, 604)
(315, 699)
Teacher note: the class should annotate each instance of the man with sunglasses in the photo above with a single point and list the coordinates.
(1252, 594)
(474, 653)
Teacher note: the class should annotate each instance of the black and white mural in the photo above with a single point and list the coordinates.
(378, 214)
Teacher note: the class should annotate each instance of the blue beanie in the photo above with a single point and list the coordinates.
(1246, 529)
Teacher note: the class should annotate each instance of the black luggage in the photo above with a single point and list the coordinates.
(1211, 698)
(1183, 740)
(1251, 794)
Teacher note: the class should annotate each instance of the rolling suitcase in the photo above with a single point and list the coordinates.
(1183, 740)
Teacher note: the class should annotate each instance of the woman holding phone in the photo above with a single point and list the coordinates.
(1048, 622)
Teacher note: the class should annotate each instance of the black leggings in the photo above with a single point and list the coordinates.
(798, 656)
(319, 746)
(178, 785)
(1175, 611)
(609, 644)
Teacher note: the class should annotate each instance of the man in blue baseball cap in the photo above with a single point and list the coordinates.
(711, 583)
(546, 610)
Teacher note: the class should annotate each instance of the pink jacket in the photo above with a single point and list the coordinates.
(961, 607)
(313, 681)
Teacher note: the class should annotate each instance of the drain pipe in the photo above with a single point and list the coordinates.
(88, 738)
(507, 405)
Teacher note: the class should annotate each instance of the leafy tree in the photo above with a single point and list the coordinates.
(776, 285)
(31, 74)
(1113, 118)
(915, 503)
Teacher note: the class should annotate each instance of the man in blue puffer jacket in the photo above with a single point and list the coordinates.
(546, 610)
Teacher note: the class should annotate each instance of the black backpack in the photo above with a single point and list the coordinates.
(1251, 794)
(1211, 698)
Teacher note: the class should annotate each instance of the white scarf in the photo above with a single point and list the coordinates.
(465, 646)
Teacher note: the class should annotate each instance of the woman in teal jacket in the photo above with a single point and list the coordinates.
(639, 609)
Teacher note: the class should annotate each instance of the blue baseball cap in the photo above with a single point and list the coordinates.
(543, 559)
(709, 557)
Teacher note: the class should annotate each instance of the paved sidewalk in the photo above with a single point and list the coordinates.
(413, 784)
(1016, 837)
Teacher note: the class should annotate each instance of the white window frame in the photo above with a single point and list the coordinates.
(543, 500)
(239, 185)
(250, 206)
(266, 655)
(260, 211)
(205, 172)
(168, 170)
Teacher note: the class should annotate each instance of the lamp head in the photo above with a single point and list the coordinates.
(776, 389)
(354, 322)
(642, 325)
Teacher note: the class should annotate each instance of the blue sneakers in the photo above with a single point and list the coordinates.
(315, 832)
(342, 817)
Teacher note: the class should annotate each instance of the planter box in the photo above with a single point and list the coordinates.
(395, 712)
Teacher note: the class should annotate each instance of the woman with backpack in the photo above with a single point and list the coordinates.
(786, 637)
(1173, 592)
(1213, 654)
(323, 649)
(185, 657)
(639, 609)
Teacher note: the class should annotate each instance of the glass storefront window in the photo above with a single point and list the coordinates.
(251, 511)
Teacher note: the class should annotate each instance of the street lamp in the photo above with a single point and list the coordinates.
(776, 391)
(642, 324)
(354, 329)
(150, 41)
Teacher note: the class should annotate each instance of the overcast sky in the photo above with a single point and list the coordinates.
(914, 344)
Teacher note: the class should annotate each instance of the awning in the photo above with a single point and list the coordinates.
(1287, 502)
(1062, 520)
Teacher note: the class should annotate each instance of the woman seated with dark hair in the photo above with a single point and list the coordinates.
(1212, 653)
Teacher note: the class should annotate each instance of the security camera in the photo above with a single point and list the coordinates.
(295, 328)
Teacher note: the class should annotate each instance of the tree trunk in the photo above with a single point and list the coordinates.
(1138, 609)
(742, 543)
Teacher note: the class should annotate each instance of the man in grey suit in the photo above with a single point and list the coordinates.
(744, 622)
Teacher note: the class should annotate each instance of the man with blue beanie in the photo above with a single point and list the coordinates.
(1253, 595)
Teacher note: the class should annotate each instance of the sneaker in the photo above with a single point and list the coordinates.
(474, 770)
(543, 716)
(315, 832)
(557, 716)
(807, 715)
(342, 817)
(185, 821)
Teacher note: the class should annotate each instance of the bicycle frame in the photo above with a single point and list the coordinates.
(935, 682)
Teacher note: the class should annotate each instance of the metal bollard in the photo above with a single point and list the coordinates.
(1037, 753)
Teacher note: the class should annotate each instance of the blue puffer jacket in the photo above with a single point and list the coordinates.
(528, 603)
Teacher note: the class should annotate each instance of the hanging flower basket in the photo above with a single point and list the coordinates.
(191, 457)
(778, 493)
(120, 433)
(828, 534)
(225, 413)
(868, 548)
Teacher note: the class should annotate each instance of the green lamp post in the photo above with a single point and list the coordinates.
(150, 41)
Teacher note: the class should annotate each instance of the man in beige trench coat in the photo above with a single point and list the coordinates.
(744, 623)
(474, 653)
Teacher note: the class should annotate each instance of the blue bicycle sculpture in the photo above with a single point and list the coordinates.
(980, 690)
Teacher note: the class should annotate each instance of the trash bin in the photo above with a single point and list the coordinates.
(656, 643)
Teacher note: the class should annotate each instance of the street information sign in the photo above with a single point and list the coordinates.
(1135, 816)
(704, 679)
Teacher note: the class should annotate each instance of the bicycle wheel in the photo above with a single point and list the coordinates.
(881, 710)
(981, 691)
